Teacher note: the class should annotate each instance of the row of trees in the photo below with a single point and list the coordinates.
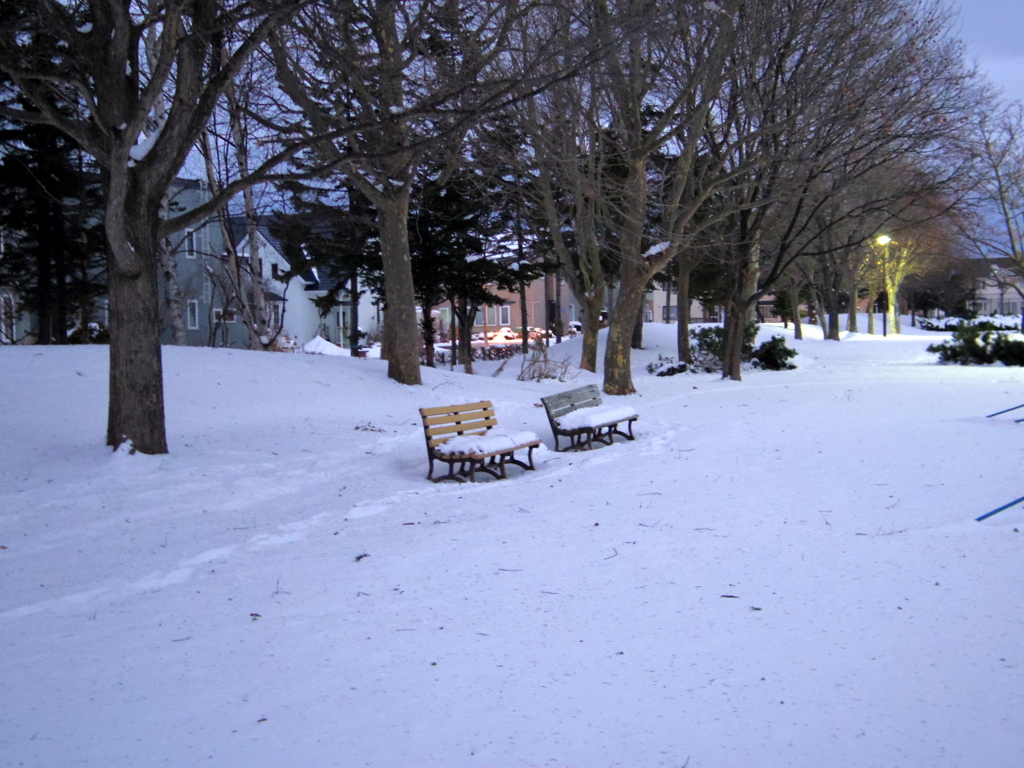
(623, 135)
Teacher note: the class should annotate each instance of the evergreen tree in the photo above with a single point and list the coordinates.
(50, 214)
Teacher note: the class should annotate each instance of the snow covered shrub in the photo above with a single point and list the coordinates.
(969, 346)
(972, 345)
(984, 323)
(666, 366)
(774, 355)
(708, 347)
(93, 334)
(1008, 351)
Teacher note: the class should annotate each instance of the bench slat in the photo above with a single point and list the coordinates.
(474, 427)
(462, 418)
(444, 409)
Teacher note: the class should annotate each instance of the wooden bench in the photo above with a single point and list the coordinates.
(580, 416)
(464, 436)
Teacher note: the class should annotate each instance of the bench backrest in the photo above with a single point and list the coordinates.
(567, 402)
(446, 421)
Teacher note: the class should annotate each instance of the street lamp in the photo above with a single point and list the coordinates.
(884, 241)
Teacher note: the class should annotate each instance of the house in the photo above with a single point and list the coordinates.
(998, 286)
(551, 298)
(209, 283)
(548, 300)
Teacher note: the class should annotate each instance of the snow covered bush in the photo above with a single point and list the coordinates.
(774, 355)
(973, 345)
(985, 323)
(666, 366)
(708, 347)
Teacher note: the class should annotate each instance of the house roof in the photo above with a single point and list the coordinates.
(240, 233)
(316, 281)
(981, 269)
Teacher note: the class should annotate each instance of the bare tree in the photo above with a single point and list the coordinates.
(570, 154)
(396, 82)
(997, 231)
(873, 89)
(147, 76)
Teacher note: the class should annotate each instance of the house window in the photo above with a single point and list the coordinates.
(1011, 307)
(492, 315)
(190, 244)
(275, 314)
(224, 316)
(192, 315)
(444, 319)
(505, 315)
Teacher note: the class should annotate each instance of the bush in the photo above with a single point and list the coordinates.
(774, 355)
(666, 366)
(708, 346)
(972, 345)
(987, 323)
(1008, 351)
(94, 334)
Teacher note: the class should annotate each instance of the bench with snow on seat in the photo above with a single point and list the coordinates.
(466, 436)
(580, 416)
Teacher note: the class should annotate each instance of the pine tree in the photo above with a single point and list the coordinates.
(50, 213)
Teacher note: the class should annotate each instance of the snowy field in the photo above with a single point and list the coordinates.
(783, 571)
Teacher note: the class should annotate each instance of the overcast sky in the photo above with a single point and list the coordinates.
(994, 33)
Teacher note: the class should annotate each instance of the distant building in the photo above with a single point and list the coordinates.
(997, 287)
(212, 312)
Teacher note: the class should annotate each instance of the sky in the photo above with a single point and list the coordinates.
(994, 33)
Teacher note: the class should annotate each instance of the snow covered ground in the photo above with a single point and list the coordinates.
(783, 571)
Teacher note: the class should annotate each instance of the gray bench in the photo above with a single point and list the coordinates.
(580, 416)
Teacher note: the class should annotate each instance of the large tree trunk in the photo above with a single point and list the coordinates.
(428, 335)
(738, 307)
(794, 303)
(732, 354)
(852, 314)
(172, 293)
(353, 315)
(832, 297)
(136, 406)
(618, 378)
(635, 271)
(44, 294)
(637, 342)
(892, 305)
(668, 301)
(683, 313)
(401, 330)
(592, 306)
(524, 315)
(819, 313)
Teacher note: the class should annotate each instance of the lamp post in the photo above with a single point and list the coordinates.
(884, 240)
